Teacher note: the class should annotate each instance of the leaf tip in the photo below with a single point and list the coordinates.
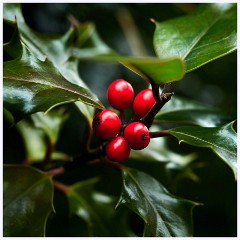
(181, 141)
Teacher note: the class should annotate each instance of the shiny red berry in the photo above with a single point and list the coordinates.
(117, 149)
(143, 102)
(106, 124)
(137, 135)
(120, 94)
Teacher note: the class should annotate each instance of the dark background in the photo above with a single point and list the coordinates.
(214, 83)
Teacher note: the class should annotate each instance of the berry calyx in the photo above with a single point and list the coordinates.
(143, 102)
(106, 124)
(137, 135)
(117, 149)
(120, 94)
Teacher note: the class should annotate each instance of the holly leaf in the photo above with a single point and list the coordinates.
(57, 49)
(31, 85)
(222, 140)
(161, 212)
(211, 34)
(181, 110)
(98, 210)
(27, 201)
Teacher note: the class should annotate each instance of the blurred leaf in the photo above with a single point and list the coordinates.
(98, 210)
(32, 86)
(34, 140)
(211, 34)
(162, 212)
(51, 123)
(222, 140)
(27, 201)
(39, 131)
(180, 110)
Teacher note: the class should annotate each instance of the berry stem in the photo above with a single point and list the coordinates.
(164, 98)
(163, 133)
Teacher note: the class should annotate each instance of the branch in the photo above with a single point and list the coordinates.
(164, 98)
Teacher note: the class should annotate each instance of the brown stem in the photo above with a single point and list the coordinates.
(55, 171)
(50, 148)
(61, 186)
(148, 119)
(163, 133)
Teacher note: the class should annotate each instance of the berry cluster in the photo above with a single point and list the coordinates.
(108, 126)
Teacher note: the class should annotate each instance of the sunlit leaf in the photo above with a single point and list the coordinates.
(27, 201)
(207, 33)
(41, 131)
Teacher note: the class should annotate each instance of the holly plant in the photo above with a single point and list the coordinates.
(86, 165)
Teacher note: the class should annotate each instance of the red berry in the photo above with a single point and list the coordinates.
(137, 135)
(143, 102)
(117, 149)
(120, 94)
(106, 124)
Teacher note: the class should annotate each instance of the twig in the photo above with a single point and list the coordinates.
(61, 186)
(163, 133)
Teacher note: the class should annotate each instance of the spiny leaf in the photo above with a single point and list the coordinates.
(222, 140)
(205, 34)
(162, 212)
(27, 201)
(31, 85)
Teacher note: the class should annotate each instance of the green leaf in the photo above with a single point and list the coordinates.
(41, 131)
(51, 123)
(32, 86)
(180, 110)
(98, 210)
(27, 201)
(207, 33)
(57, 49)
(162, 212)
(222, 140)
(156, 69)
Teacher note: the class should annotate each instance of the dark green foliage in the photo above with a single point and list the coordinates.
(51, 84)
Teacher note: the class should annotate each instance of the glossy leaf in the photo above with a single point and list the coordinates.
(207, 33)
(98, 210)
(222, 140)
(57, 50)
(27, 201)
(32, 86)
(162, 212)
(156, 69)
(180, 110)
